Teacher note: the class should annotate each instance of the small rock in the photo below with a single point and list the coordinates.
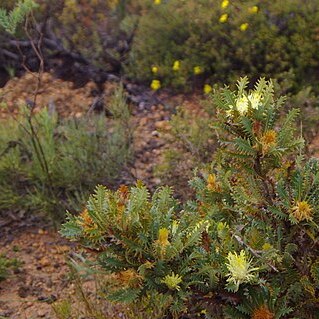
(44, 262)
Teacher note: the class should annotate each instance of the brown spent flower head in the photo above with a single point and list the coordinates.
(212, 184)
(123, 191)
(129, 278)
(262, 313)
(86, 222)
(302, 211)
(268, 140)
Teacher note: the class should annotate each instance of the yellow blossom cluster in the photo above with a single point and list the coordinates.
(224, 17)
(197, 70)
(239, 267)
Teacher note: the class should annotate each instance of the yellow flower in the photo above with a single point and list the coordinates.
(262, 313)
(239, 267)
(163, 237)
(155, 85)
(172, 281)
(223, 18)
(197, 70)
(224, 4)
(157, 2)
(253, 9)
(154, 69)
(302, 211)
(176, 65)
(243, 27)
(207, 88)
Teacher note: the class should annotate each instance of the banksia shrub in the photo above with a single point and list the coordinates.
(245, 248)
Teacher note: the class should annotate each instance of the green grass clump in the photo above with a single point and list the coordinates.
(49, 164)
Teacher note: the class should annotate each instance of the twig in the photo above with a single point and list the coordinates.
(254, 252)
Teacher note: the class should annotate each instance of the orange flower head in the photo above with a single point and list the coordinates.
(268, 140)
(262, 313)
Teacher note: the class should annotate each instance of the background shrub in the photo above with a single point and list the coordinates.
(70, 157)
(255, 38)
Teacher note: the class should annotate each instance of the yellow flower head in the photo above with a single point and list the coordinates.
(154, 69)
(243, 27)
(197, 70)
(224, 4)
(223, 18)
(301, 211)
(172, 281)
(253, 9)
(254, 99)
(157, 2)
(242, 104)
(212, 184)
(207, 89)
(239, 267)
(262, 313)
(163, 237)
(267, 246)
(156, 85)
(176, 65)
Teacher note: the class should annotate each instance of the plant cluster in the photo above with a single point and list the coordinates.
(5, 265)
(247, 247)
(48, 164)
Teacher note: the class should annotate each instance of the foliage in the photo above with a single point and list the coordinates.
(201, 41)
(75, 155)
(245, 248)
(191, 143)
(10, 21)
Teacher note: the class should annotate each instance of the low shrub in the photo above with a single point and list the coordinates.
(6, 265)
(49, 164)
(245, 248)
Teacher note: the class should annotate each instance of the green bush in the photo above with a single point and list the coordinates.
(245, 248)
(227, 39)
(54, 168)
